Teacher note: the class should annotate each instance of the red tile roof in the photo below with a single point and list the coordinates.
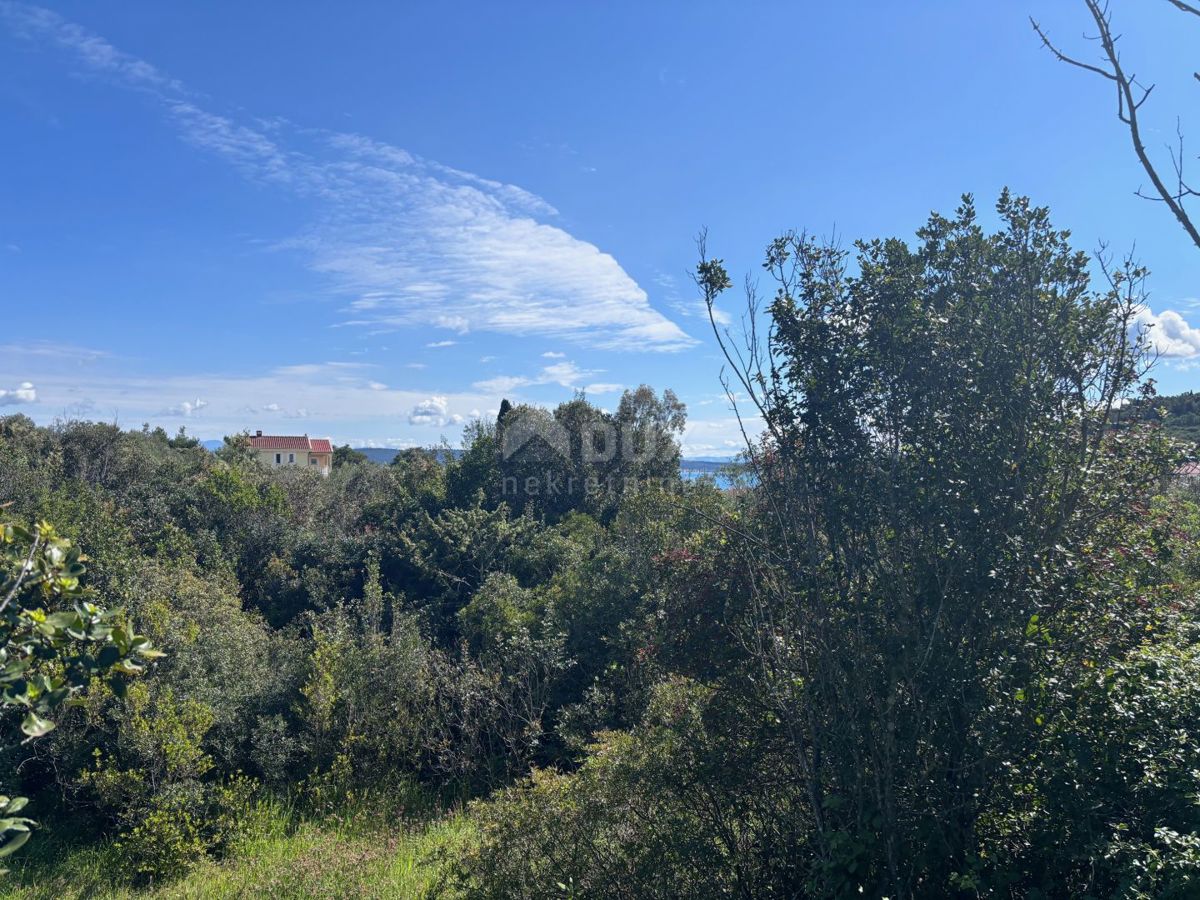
(290, 442)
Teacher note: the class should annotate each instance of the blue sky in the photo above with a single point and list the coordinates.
(375, 220)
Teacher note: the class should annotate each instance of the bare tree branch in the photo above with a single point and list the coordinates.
(1069, 60)
(1130, 97)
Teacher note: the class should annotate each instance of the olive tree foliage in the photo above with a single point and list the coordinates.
(938, 451)
(1169, 187)
(54, 641)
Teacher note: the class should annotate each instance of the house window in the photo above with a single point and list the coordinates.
(291, 457)
(278, 458)
(312, 461)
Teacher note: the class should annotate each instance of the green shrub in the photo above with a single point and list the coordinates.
(1107, 802)
(182, 825)
(161, 791)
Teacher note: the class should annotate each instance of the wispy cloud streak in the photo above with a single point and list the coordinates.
(408, 241)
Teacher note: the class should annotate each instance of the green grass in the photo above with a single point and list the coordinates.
(351, 856)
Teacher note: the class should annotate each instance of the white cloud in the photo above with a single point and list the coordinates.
(1169, 333)
(564, 374)
(347, 409)
(273, 409)
(698, 309)
(252, 153)
(415, 365)
(434, 411)
(33, 23)
(553, 354)
(325, 369)
(428, 411)
(377, 385)
(187, 408)
(439, 344)
(328, 401)
(25, 392)
(461, 324)
(718, 437)
(502, 384)
(53, 350)
(603, 388)
(693, 308)
(408, 240)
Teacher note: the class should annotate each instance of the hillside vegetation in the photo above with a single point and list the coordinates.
(1179, 414)
(943, 643)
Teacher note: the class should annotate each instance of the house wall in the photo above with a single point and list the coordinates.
(267, 457)
(324, 461)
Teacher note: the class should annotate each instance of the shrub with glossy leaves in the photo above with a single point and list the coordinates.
(54, 640)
